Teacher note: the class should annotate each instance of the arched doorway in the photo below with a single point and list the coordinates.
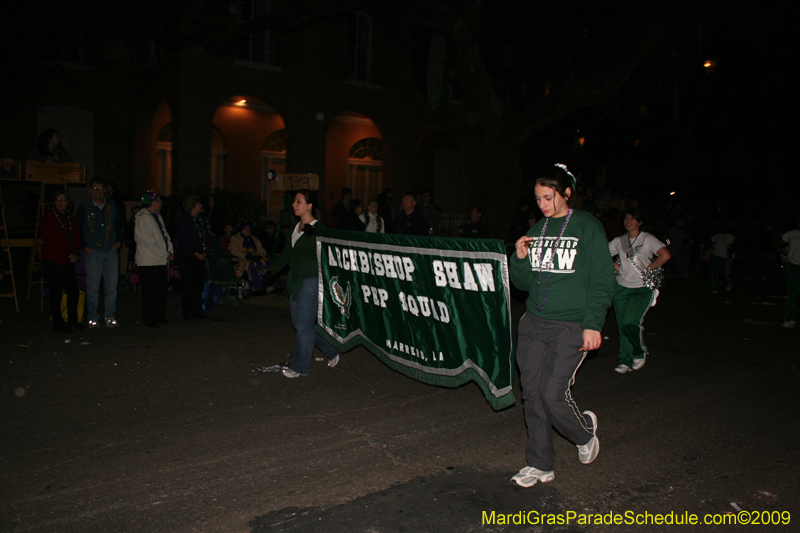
(365, 168)
(254, 136)
(354, 158)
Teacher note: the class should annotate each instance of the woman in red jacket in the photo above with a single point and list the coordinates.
(60, 251)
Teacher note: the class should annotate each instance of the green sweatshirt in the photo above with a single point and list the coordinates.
(582, 280)
(302, 260)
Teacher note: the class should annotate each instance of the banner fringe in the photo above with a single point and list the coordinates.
(452, 382)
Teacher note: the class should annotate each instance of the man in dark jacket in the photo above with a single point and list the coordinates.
(477, 228)
(410, 222)
(342, 209)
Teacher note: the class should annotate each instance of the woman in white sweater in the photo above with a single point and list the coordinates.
(153, 252)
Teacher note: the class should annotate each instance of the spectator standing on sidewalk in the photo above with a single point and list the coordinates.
(431, 213)
(61, 243)
(409, 221)
(373, 222)
(101, 237)
(477, 228)
(342, 209)
(153, 252)
(192, 245)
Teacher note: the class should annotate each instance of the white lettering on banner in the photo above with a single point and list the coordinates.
(413, 351)
(485, 276)
(422, 305)
(378, 296)
(384, 265)
(445, 274)
(363, 260)
(388, 264)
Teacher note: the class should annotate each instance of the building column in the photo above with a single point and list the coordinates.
(305, 144)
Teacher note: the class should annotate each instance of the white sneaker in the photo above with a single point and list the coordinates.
(639, 363)
(622, 369)
(111, 322)
(588, 452)
(529, 476)
(788, 324)
(333, 362)
(289, 373)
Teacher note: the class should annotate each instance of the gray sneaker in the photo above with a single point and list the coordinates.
(639, 363)
(111, 322)
(333, 362)
(588, 452)
(529, 476)
(289, 373)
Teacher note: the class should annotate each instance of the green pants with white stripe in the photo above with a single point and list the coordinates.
(792, 290)
(630, 306)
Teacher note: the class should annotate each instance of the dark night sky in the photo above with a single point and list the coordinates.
(732, 143)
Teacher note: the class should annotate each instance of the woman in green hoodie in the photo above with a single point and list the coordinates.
(564, 264)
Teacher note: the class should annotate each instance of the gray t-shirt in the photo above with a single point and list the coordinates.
(793, 238)
(641, 250)
(721, 243)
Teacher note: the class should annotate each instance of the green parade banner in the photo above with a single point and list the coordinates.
(436, 309)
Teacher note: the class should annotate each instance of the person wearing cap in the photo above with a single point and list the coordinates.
(153, 252)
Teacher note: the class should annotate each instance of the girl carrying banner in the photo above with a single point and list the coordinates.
(564, 264)
(300, 255)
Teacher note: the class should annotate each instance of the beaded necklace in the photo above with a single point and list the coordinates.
(91, 224)
(540, 253)
(200, 224)
(66, 229)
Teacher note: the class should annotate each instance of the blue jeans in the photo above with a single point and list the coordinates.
(304, 317)
(106, 265)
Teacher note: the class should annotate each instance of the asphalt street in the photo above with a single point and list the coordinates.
(140, 430)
